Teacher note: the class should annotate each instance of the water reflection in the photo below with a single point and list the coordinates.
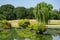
(43, 37)
(12, 35)
(27, 39)
(56, 37)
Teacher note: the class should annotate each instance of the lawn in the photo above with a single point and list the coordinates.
(14, 23)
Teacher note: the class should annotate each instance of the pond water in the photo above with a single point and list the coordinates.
(21, 35)
(41, 38)
(55, 37)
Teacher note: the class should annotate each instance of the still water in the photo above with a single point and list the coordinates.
(41, 38)
(55, 37)
(21, 35)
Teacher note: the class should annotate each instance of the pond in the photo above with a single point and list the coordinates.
(12, 34)
(44, 37)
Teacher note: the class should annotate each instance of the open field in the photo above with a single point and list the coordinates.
(51, 24)
(14, 23)
(54, 22)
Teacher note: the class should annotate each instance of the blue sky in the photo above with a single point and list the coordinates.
(30, 3)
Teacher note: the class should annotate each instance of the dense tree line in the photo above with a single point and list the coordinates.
(9, 12)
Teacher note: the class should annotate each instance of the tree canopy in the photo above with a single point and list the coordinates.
(7, 11)
(10, 12)
(20, 12)
(41, 11)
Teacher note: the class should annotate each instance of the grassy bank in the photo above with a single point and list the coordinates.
(32, 21)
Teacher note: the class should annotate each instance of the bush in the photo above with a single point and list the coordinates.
(2, 17)
(30, 27)
(39, 28)
(5, 24)
(24, 23)
(36, 27)
(42, 28)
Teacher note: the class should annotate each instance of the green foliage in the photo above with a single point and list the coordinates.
(36, 28)
(7, 11)
(24, 33)
(42, 8)
(2, 17)
(30, 27)
(54, 14)
(30, 14)
(24, 23)
(4, 33)
(5, 24)
(43, 37)
(20, 12)
(41, 12)
(59, 14)
(39, 28)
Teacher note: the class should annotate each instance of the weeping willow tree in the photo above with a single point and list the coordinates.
(41, 12)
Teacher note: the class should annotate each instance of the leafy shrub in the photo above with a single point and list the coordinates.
(24, 23)
(39, 28)
(5, 24)
(42, 28)
(30, 27)
(36, 27)
(2, 17)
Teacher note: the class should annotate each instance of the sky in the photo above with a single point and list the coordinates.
(30, 3)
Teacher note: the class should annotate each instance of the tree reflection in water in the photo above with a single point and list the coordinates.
(11, 34)
(43, 37)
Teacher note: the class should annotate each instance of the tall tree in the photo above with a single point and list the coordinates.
(30, 14)
(0, 11)
(41, 11)
(59, 14)
(7, 11)
(20, 12)
(2, 17)
(54, 14)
